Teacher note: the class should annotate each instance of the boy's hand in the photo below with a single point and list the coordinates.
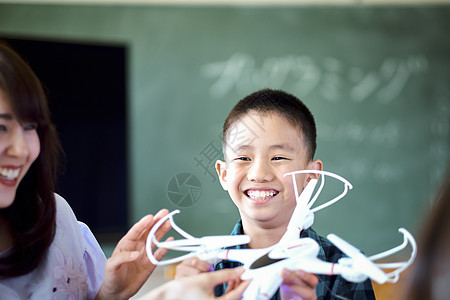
(192, 266)
(129, 267)
(298, 284)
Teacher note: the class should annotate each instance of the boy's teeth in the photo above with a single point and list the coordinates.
(260, 194)
(9, 174)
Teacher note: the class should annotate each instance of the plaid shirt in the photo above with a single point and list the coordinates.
(329, 287)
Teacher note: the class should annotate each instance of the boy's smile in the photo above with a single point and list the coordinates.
(261, 196)
(260, 149)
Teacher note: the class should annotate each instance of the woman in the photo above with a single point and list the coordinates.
(44, 251)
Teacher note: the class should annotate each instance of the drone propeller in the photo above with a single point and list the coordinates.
(398, 266)
(347, 186)
(206, 244)
(205, 248)
(359, 262)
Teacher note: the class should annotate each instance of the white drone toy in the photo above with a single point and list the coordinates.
(264, 265)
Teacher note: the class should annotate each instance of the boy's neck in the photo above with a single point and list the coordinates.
(263, 237)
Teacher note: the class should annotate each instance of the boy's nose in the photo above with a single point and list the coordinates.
(259, 172)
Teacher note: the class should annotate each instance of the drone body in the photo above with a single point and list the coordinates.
(264, 269)
(264, 266)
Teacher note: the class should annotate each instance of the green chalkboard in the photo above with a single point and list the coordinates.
(376, 78)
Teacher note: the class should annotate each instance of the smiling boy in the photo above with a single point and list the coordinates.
(253, 173)
(266, 135)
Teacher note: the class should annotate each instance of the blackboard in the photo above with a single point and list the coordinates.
(86, 90)
(375, 77)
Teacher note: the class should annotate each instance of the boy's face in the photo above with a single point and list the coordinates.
(260, 150)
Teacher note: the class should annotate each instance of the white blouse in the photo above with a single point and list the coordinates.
(73, 267)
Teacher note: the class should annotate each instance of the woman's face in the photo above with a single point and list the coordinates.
(19, 148)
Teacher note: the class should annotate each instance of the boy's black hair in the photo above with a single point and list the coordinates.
(286, 105)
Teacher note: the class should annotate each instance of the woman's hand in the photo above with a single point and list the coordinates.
(128, 268)
(199, 287)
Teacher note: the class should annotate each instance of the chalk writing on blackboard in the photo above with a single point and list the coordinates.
(386, 133)
(379, 171)
(440, 144)
(388, 81)
(330, 76)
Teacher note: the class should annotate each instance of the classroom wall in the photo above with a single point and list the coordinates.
(375, 77)
(233, 2)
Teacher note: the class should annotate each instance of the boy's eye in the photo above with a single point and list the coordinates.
(279, 158)
(2, 128)
(242, 158)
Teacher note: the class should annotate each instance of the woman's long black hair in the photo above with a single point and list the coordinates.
(31, 217)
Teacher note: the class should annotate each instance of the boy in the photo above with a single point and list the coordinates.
(266, 135)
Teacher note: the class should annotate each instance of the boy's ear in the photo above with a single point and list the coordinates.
(313, 165)
(221, 169)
